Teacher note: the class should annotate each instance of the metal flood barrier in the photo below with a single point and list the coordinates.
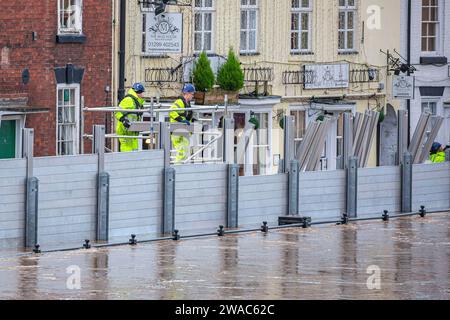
(63, 202)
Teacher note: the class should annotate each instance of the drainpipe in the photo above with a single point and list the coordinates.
(123, 16)
(408, 102)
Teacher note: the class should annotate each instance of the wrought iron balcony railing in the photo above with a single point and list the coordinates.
(256, 75)
(364, 75)
(162, 75)
(307, 77)
(298, 77)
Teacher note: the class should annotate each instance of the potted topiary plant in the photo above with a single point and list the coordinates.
(203, 78)
(230, 77)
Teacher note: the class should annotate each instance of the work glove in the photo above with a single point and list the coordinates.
(126, 123)
(186, 122)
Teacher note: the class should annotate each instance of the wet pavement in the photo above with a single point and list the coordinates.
(406, 258)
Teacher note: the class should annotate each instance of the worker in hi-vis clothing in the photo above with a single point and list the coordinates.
(179, 141)
(132, 101)
(437, 153)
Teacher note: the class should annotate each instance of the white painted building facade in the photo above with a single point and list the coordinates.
(430, 50)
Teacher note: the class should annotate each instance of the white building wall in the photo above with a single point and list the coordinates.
(428, 75)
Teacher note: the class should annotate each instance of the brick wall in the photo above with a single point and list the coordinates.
(18, 51)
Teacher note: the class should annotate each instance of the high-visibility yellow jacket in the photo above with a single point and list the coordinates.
(438, 157)
(179, 116)
(130, 102)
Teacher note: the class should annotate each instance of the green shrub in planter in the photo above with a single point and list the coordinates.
(203, 76)
(231, 76)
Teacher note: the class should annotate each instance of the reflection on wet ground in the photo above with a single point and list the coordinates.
(328, 262)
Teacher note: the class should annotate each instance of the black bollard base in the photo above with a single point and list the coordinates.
(265, 227)
(87, 244)
(133, 240)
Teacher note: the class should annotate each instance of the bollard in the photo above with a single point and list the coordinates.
(406, 182)
(352, 187)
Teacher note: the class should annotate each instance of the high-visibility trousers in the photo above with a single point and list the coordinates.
(129, 145)
(181, 145)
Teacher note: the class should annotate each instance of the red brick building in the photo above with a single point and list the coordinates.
(54, 54)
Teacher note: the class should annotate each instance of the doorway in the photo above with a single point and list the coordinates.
(8, 139)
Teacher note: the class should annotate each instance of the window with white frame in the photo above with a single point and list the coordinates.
(147, 6)
(70, 14)
(347, 25)
(430, 25)
(301, 16)
(68, 107)
(429, 106)
(299, 127)
(203, 25)
(249, 26)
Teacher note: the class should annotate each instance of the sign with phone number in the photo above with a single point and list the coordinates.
(164, 33)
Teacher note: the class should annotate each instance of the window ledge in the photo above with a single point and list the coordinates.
(303, 53)
(70, 38)
(433, 60)
(348, 52)
(154, 56)
(249, 54)
(208, 54)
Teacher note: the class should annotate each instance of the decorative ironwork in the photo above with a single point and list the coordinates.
(258, 74)
(298, 77)
(307, 77)
(397, 63)
(162, 75)
(364, 75)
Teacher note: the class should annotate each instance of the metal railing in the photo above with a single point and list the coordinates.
(258, 74)
(162, 75)
(298, 77)
(364, 75)
(307, 77)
